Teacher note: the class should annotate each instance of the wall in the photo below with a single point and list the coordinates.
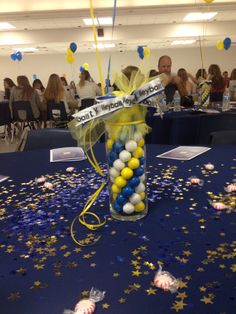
(44, 65)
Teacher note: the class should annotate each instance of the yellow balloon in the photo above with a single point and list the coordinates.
(127, 173)
(146, 52)
(70, 58)
(141, 142)
(120, 182)
(139, 207)
(115, 189)
(86, 66)
(220, 44)
(133, 163)
(208, 1)
(109, 144)
(69, 52)
(139, 152)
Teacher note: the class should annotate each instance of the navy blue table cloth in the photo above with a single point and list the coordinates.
(42, 271)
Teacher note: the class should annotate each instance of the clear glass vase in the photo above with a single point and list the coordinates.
(126, 156)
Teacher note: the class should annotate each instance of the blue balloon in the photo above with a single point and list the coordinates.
(140, 51)
(73, 47)
(117, 207)
(142, 160)
(13, 56)
(134, 182)
(127, 191)
(117, 147)
(139, 171)
(227, 43)
(19, 56)
(81, 68)
(112, 156)
(121, 199)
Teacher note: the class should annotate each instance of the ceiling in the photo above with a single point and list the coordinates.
(50, 26)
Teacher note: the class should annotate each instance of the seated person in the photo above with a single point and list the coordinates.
(218, 83)
(164, 66)
(232, 85)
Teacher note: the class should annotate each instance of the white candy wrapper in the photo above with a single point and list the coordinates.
(164, 280)
(195, 181)
(87, 306)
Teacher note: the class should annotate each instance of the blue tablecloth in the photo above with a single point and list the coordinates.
(42, 271)
(188, 128)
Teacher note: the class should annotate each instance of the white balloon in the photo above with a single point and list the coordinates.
(114, 172)
(138, 136)
(140, 188)
(118, 164)
(135, 198)
(128, 208)
(131, 146)
(125, 156)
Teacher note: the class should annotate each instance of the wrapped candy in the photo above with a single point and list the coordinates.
(70, 169)
(164, 280)
(209, 166)
(195, 181)
(87, 306)
(230, 188)
(41, 179)
(219, 205)
(48, 185)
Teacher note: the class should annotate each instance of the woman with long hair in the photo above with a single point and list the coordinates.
(38, 86)
(201, 75)
(189, 87)
(218, 83)
(24, 91)
(8, 84)
(55, 91)
(86, 87)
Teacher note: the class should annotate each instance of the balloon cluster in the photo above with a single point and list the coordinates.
(16, 56)
(84, 67)
(143, 52)
(70, 58)
(127, 176)
(224, 44)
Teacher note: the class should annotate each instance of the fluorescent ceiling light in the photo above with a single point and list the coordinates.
(5, 25)
(102, 46)
(198, 16)
(183, 42)
(105, 20)
(98, 21)
(26, 49)
(89, 22)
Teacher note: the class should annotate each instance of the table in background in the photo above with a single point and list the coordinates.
(188, 128)
(42, 271)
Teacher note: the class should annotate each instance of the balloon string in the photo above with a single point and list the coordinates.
(96, 47)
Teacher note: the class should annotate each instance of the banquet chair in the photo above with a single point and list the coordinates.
(5, 120)
(22, 117)
(47, 139)
(86, 102)
(56, 114)
(223, 138)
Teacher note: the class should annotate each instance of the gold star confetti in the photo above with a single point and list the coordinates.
(178, 305)
(182, 295)
(21, 271)
(85, 293)
(122, 300)
(187, 253)
(77, 250)
(14, 296)
(93, 265)
(206, 300)
(136, 273)
(39, 267)
(202, 289)
(105, 305)
(183, 284)
(116, 275)
(233, 268)
(151, 291)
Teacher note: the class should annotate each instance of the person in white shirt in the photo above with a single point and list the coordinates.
(86, 87)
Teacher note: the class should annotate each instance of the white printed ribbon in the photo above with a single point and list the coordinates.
(103, 107)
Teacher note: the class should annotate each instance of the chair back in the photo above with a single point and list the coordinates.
(5, 113)
(86, 102)
(48, 139)
(223, 138)
(22, 111)
(56, 111)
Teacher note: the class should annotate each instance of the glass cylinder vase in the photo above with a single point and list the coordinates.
(126, 155)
